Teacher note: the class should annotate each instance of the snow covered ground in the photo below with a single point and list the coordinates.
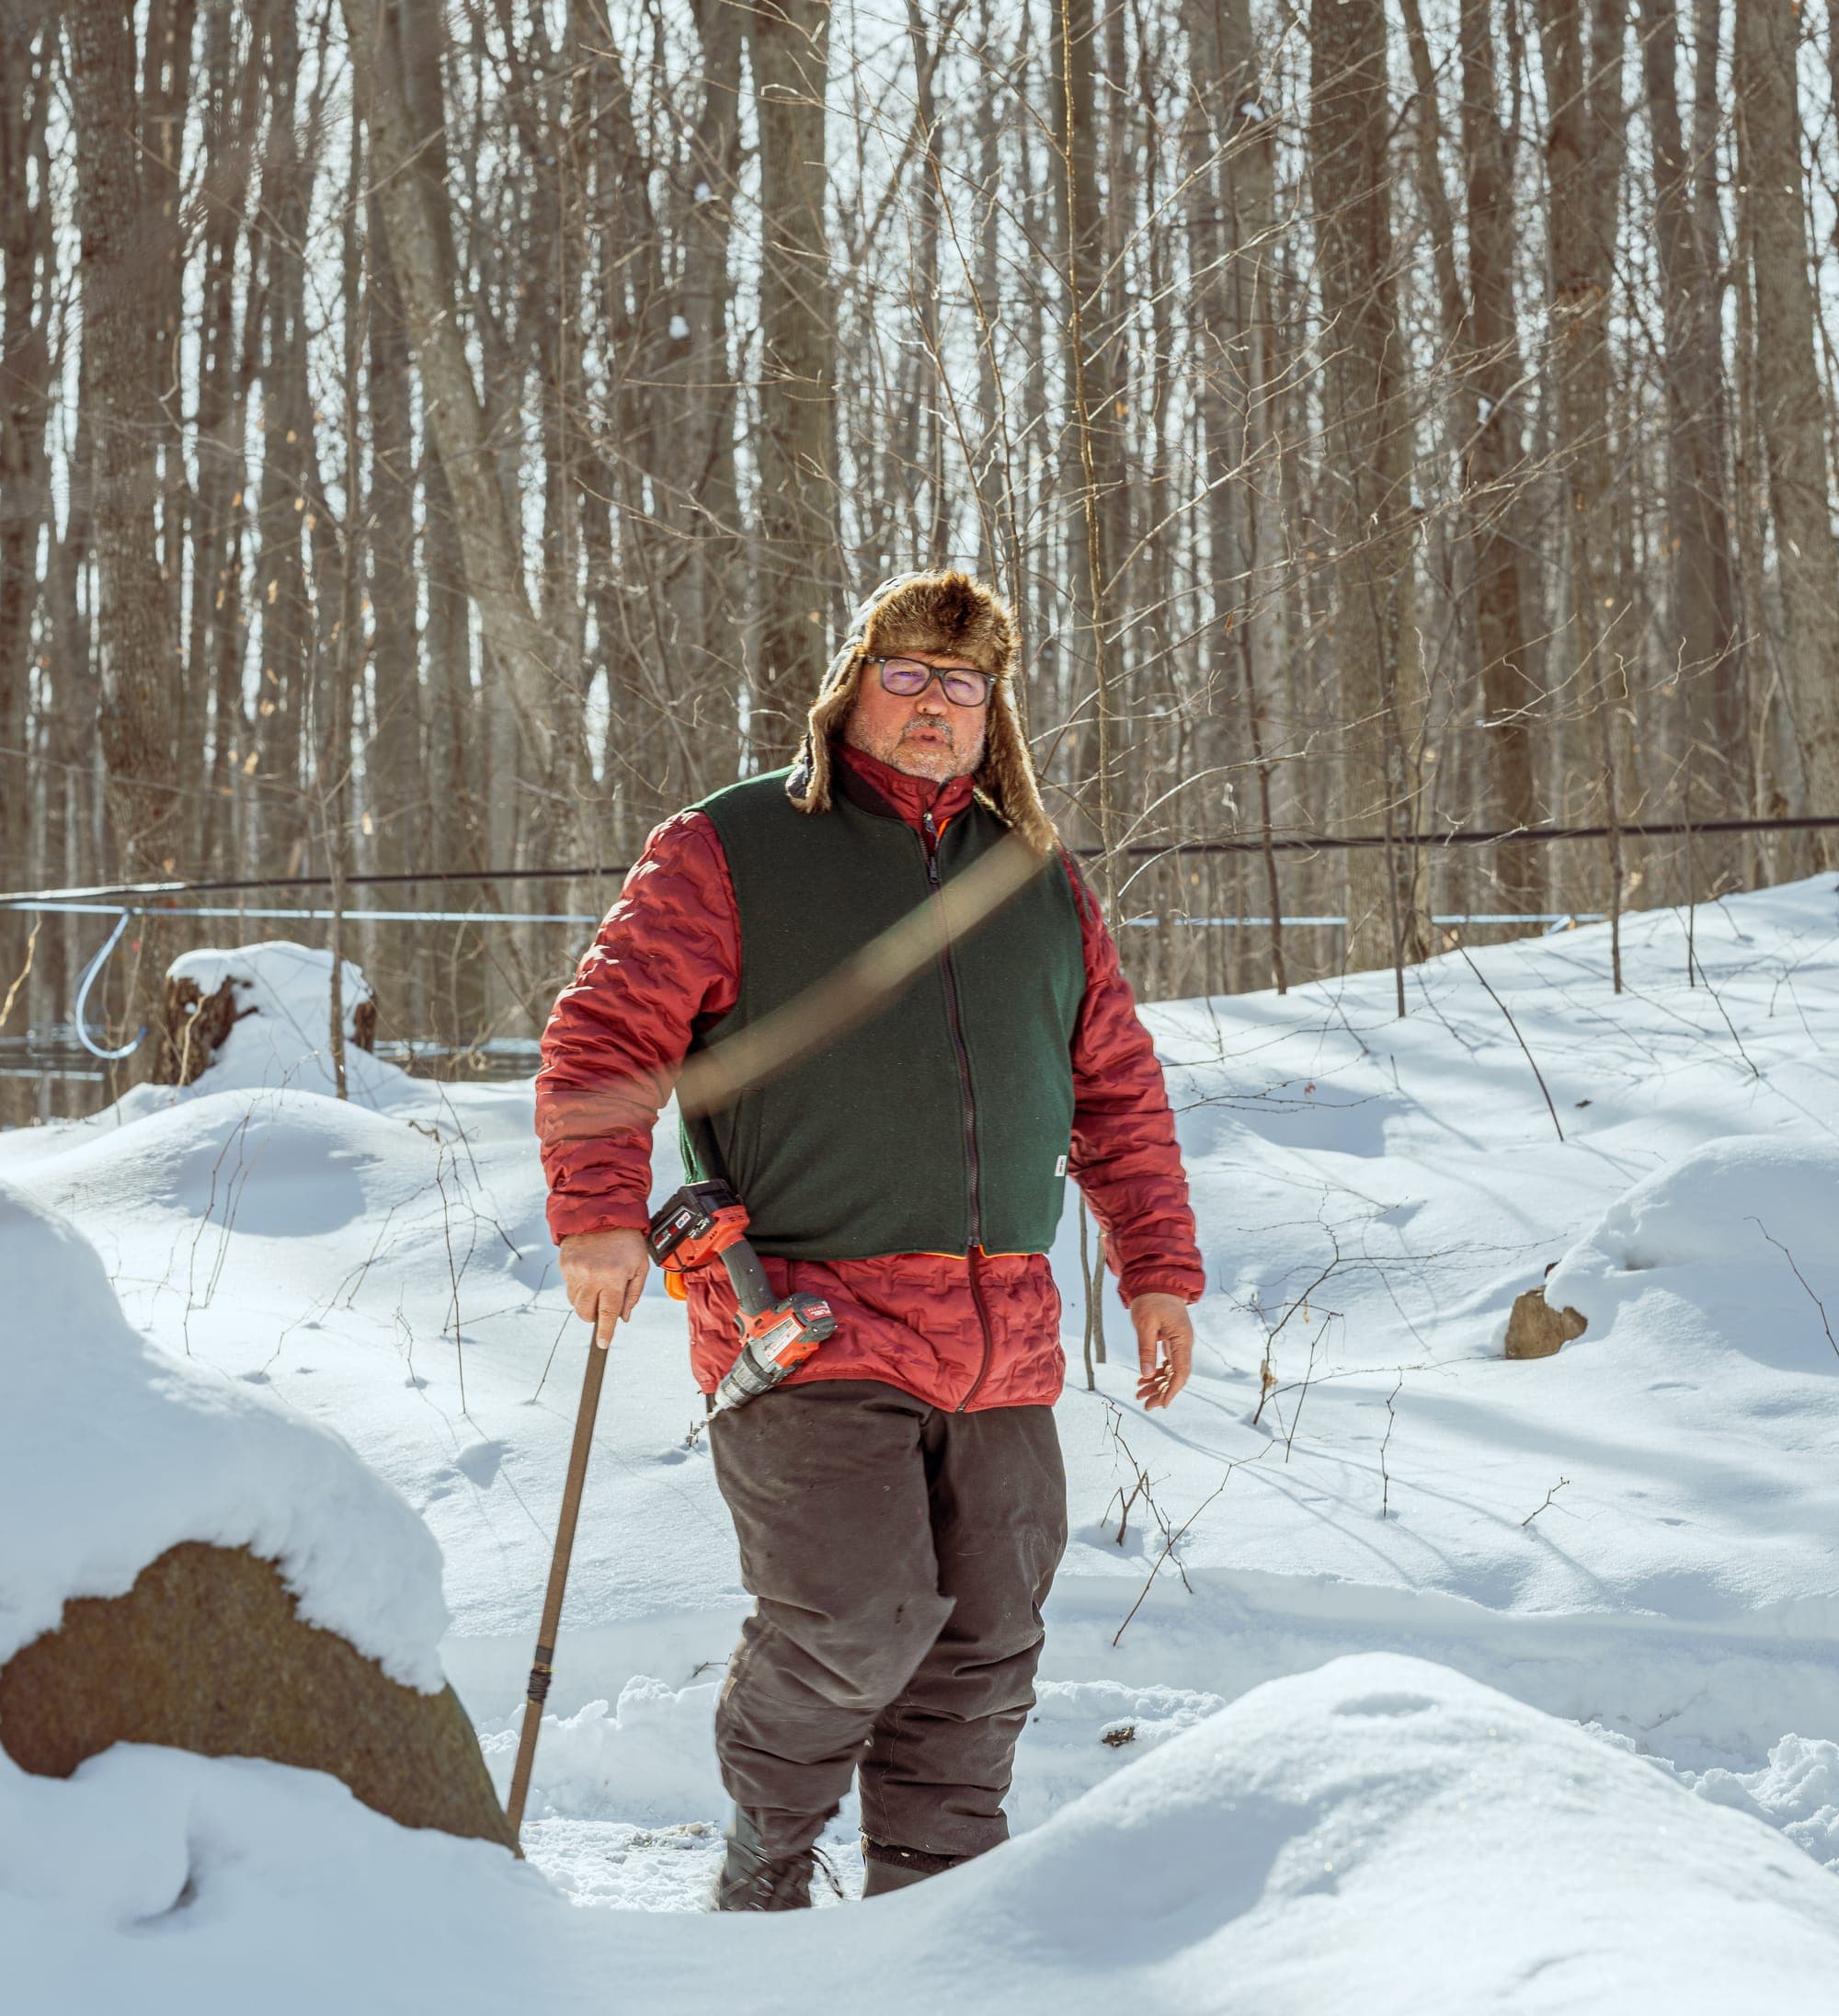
(1637, 1537)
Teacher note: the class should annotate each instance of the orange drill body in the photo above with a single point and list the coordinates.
(706, 1222)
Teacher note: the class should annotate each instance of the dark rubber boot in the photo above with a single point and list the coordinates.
(751, 1880)
(886, 1868)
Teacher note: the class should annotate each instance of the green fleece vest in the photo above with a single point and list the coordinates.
(945, 1120)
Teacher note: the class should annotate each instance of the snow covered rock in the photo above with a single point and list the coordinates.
(1732, 1240)
(261, 1016)
(207, 1652)
(302, 1623)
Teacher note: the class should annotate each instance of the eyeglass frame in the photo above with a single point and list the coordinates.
(939, 672)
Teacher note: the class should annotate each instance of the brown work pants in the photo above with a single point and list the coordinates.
(899, 1556)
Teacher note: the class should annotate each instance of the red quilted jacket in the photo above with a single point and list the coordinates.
(977, 1331)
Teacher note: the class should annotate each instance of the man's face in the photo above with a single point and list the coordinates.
(927, 735)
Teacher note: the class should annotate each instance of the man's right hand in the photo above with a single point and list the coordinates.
(603, 1273)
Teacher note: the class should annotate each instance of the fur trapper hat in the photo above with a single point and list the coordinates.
(951, 614)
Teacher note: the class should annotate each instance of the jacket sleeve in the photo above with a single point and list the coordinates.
(668, 954)
(1123, 1155)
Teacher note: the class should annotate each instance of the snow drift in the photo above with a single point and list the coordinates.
(1735, 1238)
(111, 1452)
(284, 1028)
(1378, 1836)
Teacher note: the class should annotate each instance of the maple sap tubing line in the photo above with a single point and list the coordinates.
(1291, 843)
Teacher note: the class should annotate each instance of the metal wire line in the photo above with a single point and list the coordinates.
(1288, 844)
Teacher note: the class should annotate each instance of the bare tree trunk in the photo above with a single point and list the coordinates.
(283, 606)
(1700, 646)
(490, 548)
(788, 44)
(1091, 363)
(407, 794)
(1793, 425)
(715, 601)
(232, 95)
(1380, 707)
(1495, 465)
(1583, 91)
(25, 408)
(1233, 217)
(123, 247)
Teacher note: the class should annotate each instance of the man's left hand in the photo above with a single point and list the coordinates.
(1165, 1346)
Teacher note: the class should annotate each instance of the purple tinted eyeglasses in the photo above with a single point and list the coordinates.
(909, 679)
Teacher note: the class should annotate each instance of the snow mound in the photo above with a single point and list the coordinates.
(1714, 1204)
(273, 1164)
(1386, 1835)
(281, 1035)
(111, 1452)
(1733, 1242)
(1380, 1836)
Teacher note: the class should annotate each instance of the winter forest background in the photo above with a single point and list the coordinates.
(450, 438)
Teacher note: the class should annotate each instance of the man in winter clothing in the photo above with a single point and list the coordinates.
(899, 1501)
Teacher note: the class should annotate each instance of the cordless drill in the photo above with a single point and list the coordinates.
(706, 1221)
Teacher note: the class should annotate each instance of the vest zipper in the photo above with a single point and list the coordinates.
(971, 1258)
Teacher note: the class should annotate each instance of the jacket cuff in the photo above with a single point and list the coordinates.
(1177, 1281)
(569, 1214)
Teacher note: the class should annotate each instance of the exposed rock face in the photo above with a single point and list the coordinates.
(1536, 1330)
(206, 1653)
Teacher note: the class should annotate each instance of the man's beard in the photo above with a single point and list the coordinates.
(957, 756)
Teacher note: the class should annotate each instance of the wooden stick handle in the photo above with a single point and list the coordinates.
(542, 1667)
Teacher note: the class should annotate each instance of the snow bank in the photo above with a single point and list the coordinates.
(1730, 1245)
(1717, 1203)
(1383, 1835)
(283, 996)
(111, 1452)
(1378, 1836)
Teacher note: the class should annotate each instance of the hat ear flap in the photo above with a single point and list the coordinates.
(808, 787)
(1006, 776)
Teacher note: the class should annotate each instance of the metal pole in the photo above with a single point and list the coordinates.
(543, 1666)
